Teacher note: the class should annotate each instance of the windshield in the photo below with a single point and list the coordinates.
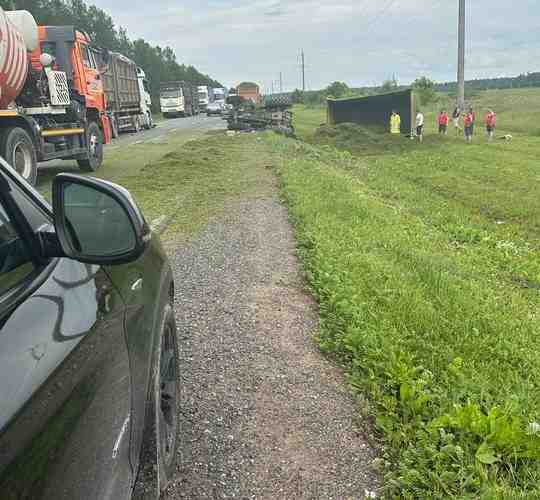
(170, 94)
(203, 95)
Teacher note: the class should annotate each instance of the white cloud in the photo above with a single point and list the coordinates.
(361, 42)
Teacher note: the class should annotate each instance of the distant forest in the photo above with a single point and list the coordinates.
(524, 80)
(159, 63)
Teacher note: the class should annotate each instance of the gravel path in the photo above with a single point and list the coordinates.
(263, 413)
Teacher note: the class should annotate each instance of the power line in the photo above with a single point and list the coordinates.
(379, 16)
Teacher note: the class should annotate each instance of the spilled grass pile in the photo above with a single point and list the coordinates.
(425, 262)
(193, 182)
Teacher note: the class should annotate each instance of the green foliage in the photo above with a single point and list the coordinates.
(425, 90)
(337, 90)
(159, 64)
(297, 97)
(389, 85)
(414, 252)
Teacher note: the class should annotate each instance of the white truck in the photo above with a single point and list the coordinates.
(146, 99)
(218, 95)
(204, 97)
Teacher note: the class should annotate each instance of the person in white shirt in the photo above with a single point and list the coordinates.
(420, 126)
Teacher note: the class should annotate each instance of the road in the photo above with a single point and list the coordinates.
(201, 122)
(158, 135)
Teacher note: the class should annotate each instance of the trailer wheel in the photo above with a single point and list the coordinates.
(18, 150)
(114, 128)
(136, 122)
(94, 142)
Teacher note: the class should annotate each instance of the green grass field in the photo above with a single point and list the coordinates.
(425, 261)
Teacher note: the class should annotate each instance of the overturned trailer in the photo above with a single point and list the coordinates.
(274, 114)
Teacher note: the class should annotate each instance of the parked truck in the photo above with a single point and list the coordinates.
(203, 97)
(52, 103)
(218, 95)
(146, 99)
(126, 102)
(178, 99)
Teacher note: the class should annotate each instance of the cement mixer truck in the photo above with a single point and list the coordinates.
(52, 103)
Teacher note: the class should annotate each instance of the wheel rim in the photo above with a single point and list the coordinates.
(22, 160)
(94, 146)
(168, 395)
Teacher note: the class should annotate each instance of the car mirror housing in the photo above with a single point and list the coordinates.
(96, 221)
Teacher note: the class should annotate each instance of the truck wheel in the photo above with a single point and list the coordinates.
(114, 128)
(94, 141)
(18, 150)
(136, 124)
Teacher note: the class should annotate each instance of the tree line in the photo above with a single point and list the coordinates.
(159, 63)
(520, 81)
(424, 87)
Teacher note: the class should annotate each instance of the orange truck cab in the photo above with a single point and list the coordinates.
(74, 55)
(52, 101)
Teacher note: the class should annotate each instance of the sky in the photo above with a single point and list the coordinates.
(360, 42)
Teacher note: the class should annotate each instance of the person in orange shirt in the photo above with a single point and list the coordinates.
(442, 121)
(468, 123)
(491, 121)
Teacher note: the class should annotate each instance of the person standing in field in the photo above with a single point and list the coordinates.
(455, 118)
(491, 121)
(469, 125)
(442, 121)
(395, 123)
(420, 126)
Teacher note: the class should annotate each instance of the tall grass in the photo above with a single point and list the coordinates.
(424, 258)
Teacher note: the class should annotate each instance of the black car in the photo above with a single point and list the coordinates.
(88, 347)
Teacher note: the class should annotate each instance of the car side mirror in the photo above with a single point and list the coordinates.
(96, 221)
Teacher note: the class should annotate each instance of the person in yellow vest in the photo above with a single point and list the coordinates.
(395, 123)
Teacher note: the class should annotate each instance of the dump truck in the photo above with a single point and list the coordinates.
(178, 98)
(52, 103)
(126, 104)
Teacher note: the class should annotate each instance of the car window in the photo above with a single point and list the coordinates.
(15, 263)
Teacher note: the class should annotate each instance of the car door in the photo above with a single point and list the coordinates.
(64, 370)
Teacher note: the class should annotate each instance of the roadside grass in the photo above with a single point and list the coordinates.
(194, 182)
(425, 262)
(122, 162)
(516, 111)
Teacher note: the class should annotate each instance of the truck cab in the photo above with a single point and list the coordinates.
(74, 55)
(146, 99)
(203, 97)
(172, 99)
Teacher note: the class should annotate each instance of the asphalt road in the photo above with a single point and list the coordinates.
(200, 122)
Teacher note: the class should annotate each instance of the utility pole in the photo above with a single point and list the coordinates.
(303, 72)
(461, 56)
(281, 82)
(272, 85)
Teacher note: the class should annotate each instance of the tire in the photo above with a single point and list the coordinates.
(136, 122)
(114, 128)
(157, 464)
(167, 421)
(94, 141)
(18, 150)
(162, 415)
